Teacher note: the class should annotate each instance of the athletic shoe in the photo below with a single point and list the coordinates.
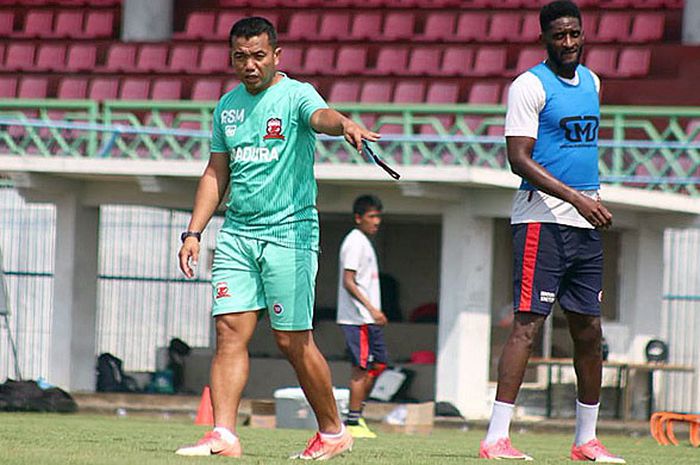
(501, 450)
(212, 444)
(319, 448)
(594, 451)
(361, 430)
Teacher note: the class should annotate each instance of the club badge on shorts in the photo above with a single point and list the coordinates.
(222, 290)
(274, 129)
(278, 309)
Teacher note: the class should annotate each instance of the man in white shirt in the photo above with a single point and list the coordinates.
(359, 309)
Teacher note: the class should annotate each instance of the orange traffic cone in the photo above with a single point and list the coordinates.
(205, 412)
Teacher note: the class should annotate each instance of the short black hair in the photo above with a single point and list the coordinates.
(253, 26)
(556, 10)
(365, 203)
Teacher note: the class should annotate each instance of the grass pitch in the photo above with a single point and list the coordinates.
(29, 439)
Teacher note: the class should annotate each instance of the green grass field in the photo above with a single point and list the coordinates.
(29, 439)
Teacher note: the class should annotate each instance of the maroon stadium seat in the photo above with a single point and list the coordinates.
(8, 87)
(409, 92)
(319, 60)
(590, 24)
(7, 21)
(504, 27)
(199, 25)
(302, 25)
(121, 57)
(2, 55)
(19, 56)
(103, 89)
(529, 57)
(184, 58)
(230, 84)
(647, 27)
(440, 92)
(38, 23)
(152, 57)
(489, 61)
(206, 90)
(471, 27)
(424, 61)
(531, 28)
(292, 59)
(438, 27)
(351, 60)
(134, 89)
(376, 92)
(33, 87)
(225, 21)
(51, 57)
(166, 89)
(69, 23)
(72, 88)
(633, 62)
(99, 24)
(602, 60)
(504, 93)
(613, 27)
(81, 57)
(334, 26)
(398, 26)
(457, 61)
(391, 60)
(485, 93)
(366, 25)
(214, 58)
(344, 91)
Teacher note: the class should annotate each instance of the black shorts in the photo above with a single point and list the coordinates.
(366, 344)
(556, 262)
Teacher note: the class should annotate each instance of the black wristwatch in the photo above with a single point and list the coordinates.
(195, 234)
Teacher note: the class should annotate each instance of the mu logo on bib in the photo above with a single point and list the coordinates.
(580, 129)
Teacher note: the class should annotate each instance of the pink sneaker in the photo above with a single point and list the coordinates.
(325, 449)
(212, 444)
(594, 451)
(501, 450)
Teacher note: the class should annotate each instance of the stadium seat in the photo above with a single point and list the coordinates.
(99, 24)
(292, 59)
(440, 92)
(38, 23)
(376, 92)
(457, 61)
(225, 20)
(134, 89)
(613, 27)
(366, 26)
(184, 58)
(590, 24)
(69, 23)
(230, 85)
(409, 92)
(529, 57)
(50, 57)
(103, 89)
(391, 60)
(504, 27)
(344, 91)
(398, 26)
(33, 88)
(8, 87)
(81, 57)
(121, 57)
(351, 60)
(471, 27)
(531, 28)
(424, 61)
(7, 21)
(334, 26)
(19, 56)
(602, 61)
(302, 25)
(152, 57)
(647, 27)
(72, 88)
(206, 90)
(166, 89)
(489, 61)
(319, 60)
(2, 54)
(504, 94)
(633, 62)
(438, 27)
(199, 25)
(487, 93)
(214, 58)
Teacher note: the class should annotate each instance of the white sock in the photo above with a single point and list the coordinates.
(499, 425)
(336, 435)
(226, 434)
(586, 420)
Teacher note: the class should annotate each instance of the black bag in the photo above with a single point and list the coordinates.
(27, 396)
(111, 377)
(177, 351)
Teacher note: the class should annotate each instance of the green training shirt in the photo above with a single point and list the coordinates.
(271, 148)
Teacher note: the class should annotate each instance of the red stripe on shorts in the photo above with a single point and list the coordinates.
(532, 242)
(364, 346)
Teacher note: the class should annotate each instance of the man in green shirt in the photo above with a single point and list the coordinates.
(266, 258)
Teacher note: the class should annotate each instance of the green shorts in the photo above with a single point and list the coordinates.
(249, 274)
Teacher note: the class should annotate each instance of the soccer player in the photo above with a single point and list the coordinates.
(263, 139)
(552, 143)
(359, 309)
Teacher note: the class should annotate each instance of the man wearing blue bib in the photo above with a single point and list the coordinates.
(552, 143)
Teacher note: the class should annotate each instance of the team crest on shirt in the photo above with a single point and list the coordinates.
(222, 290)
(274, 129)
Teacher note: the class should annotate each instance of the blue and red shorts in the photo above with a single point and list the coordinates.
(366, 345)
(557, 262)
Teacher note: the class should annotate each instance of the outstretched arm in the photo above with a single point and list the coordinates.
(331, 122)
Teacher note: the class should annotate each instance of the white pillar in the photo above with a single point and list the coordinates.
(72, 358)
(150, 21)
(465, 316)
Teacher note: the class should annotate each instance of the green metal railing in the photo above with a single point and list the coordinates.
(644, 147)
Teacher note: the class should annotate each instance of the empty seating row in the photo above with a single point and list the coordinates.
(75, 24)
(437, 27)
(88, 3)
(505, 4)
